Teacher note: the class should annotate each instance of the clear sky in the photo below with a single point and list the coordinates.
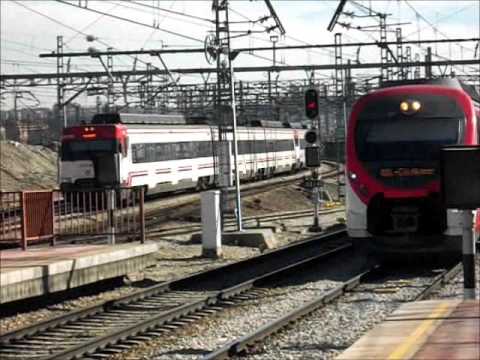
(29, 28)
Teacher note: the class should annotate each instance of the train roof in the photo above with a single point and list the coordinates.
(177, 119)
(444, 81)
(139, 119)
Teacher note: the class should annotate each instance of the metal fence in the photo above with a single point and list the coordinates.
(11, 217)
(34, 216)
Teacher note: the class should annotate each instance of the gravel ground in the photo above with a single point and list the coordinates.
(325, 333)
(321, 335)
(265, 305)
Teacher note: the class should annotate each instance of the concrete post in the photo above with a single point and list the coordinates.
(211, 224)
(468, 256)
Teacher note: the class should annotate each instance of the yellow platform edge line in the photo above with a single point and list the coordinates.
(421, 331)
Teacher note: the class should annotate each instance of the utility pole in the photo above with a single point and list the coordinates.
(61, 110)
(225, 109)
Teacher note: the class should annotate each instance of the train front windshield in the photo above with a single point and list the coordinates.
(415, 140)
(87, 150)
(101, 154)
(390, 131)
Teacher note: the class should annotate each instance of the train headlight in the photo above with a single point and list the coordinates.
(416, 105)
(409, 107)
(404, 106)
(353, 176)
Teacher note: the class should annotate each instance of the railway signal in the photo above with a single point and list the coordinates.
(311, 136)
(311, 103)
(313, 150)
(312, 160)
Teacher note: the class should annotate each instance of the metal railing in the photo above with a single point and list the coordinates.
(33, 216)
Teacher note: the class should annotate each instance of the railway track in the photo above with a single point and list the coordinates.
(248, 342)
(257, 220)
(156, 216)
(114, 326)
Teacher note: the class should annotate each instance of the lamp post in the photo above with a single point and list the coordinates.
(274, 40)
(231, 56)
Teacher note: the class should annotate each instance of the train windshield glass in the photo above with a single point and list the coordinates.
(405, 139)
(86, 150)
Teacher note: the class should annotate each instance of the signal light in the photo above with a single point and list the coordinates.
(311, 103)
(311, 136)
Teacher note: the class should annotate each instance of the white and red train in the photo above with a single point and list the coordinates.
(162, 153)
(393, 145)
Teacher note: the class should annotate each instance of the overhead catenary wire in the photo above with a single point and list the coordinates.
(159, 22)
(77, 31)
(50, 18)
(188, 37)
(82, 31)
(376, 14)
(131, 6)
(70, 27)
(173, 12)
(432, 25)
(18, 43)
(318, 51)
(435, 28)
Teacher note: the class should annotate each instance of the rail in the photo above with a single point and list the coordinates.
(242, 344)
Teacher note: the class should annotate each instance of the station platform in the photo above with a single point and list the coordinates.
(433, 329)
(44, 270)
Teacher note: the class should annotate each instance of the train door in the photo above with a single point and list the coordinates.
(251, 159)
(107, 169)
(297, 148)
(271, 154)
(266, 153)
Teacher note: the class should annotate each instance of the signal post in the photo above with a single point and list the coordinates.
(312, 154)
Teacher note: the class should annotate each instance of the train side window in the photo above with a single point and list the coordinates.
(208, 146)
(138, 153)
(259, 146)
(203, 149)
(175, 150)
(169, 151)
(187, 150)
(150, 152)
(242, 147)
(183, 150)
(270, 146)
(284, 145)
(278, 145)
(159, 152)
(197, 149)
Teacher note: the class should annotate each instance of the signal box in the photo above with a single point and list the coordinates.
(460, 177)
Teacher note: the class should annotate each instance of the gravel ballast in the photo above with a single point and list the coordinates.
(321, 335)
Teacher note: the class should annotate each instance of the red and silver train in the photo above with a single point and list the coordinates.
(393, 144)
(163, 153)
